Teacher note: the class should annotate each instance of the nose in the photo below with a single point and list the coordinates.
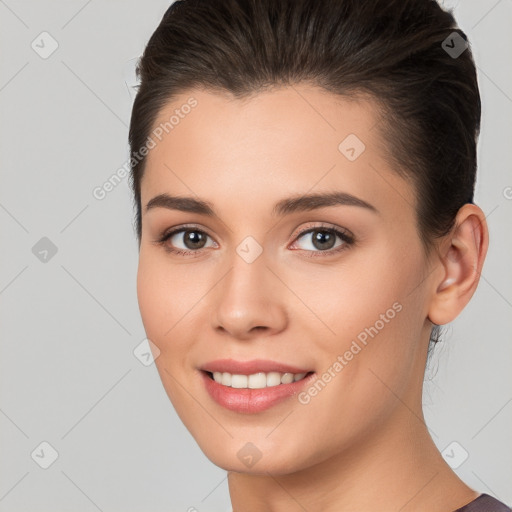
(249, 301)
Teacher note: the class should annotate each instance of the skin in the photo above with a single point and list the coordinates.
(362, 440)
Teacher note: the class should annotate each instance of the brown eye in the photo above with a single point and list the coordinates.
(193, 239)
(184, 241)
(323, 240)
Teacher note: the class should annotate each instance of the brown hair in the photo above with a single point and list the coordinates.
(396, 51)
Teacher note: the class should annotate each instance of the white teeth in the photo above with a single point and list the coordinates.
(287, 378)
(256, 380)
(273, 379)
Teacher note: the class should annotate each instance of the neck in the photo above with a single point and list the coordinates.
(396, 468)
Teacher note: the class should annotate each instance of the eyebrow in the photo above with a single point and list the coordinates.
(301, 203)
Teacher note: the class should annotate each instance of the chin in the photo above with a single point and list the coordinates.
(257, 458)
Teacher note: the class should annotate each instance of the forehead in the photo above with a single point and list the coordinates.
(284, 141)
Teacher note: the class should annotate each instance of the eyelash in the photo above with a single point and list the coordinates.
(345, 236)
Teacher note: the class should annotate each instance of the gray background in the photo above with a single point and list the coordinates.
(69, 325)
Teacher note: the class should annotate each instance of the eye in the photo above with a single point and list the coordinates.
(193, 238)
(322, 243)
(324, 240)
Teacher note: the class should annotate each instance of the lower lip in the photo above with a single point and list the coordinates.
(252, 400)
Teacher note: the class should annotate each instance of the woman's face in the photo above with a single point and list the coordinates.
(256, 285)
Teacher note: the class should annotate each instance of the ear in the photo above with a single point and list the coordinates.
(460, 263)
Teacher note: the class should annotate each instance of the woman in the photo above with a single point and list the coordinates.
(303, 174)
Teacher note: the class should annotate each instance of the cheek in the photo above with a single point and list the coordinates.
(164, 312)
(162, 299)
(377, 314)
(370, 292)
(165, 293)
(169, 298)
(150, 295)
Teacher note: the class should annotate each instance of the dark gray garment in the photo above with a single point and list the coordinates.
(485, 503)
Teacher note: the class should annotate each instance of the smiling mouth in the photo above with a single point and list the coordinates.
(258, 380)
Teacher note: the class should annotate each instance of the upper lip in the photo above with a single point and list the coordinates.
(250, 367)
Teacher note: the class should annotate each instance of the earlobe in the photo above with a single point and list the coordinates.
(460, 265)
